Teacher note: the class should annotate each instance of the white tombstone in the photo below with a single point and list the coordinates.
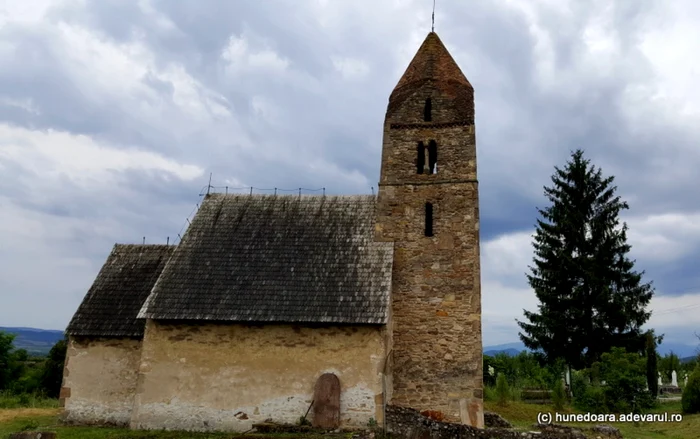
(674, 379)
(661, 383)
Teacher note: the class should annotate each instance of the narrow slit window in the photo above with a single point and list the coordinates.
(428, 110)
(420, 161)
(432, 157)
(428, 219)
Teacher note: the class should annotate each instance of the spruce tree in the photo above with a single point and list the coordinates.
(590, 298)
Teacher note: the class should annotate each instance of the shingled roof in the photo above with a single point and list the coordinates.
(265, 258)
(112, 304)
(432, 63)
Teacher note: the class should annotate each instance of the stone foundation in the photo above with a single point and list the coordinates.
(407, 423)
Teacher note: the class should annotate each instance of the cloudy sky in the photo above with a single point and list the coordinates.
(113, 114)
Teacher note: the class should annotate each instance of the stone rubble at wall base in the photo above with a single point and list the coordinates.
(407, 423)
(34, 435)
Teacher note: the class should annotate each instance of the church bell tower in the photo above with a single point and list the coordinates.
(428, 205)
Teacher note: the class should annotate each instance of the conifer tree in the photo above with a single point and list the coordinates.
(590, 298)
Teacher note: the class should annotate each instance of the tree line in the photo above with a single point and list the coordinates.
(21, 373)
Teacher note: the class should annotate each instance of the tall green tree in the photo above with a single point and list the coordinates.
(652, 365)
(590, 298)
(6, 359)
(52, 375)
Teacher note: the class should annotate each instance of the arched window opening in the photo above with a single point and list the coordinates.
(420, 162)
(432, 157)
(428, 219)
(428, 111)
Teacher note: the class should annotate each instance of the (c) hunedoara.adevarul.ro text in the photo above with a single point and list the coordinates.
(561, 418)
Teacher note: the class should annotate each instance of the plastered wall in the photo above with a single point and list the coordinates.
(227, 377)
(99, 380)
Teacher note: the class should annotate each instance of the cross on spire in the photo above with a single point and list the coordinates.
(433, 27)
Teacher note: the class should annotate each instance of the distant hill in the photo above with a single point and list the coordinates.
(686, 352)
(510, 349)
(35, 341)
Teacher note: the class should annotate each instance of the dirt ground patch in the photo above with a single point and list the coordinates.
(10, 414)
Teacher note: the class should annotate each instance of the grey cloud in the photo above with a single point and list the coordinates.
(524, 128)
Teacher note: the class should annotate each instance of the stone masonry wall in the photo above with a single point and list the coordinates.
(99, 380)
(213, 377)
(436, 294)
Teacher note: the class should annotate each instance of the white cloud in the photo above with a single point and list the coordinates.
(500, 307)
(507, 254)
(24, 104)
(351, 68)
(676, 312)
(25, 12)
(240, 58)
(53, 154)
(665, 237)
(261, 98)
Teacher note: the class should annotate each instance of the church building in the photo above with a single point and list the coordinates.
(264, 294)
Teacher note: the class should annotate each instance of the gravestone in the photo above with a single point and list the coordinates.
(661, 383)
(674, 379)
(327, 402)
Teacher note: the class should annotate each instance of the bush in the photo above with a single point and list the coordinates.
(590, 398)
(690, 401)
(625, 377)
(558, 395)
(502, 390)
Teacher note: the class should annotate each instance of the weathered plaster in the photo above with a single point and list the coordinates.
(227, 377)
(100, 379)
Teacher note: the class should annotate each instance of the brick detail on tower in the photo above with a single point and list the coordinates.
(436, 293)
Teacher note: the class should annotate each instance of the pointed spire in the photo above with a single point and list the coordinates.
(432, 62)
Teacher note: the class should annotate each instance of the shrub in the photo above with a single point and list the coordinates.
(558, 395)
(690, 402)
(502, 390)
(590, 398)
(625, 377)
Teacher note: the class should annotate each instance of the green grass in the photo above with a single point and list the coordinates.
(521, 415)
(524, 416)
(15, 420)
(11, 401)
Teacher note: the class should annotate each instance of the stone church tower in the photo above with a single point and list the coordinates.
(428, 206)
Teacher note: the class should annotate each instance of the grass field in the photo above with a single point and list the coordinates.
(47, 419)
(520, 414)
(11, 401)
(524, 416)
